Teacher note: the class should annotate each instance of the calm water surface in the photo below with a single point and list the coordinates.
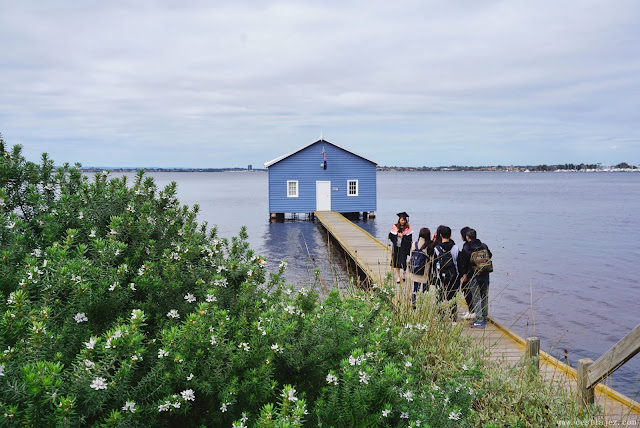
(565, 246)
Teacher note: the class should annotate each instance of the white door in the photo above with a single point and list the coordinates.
(323, 196)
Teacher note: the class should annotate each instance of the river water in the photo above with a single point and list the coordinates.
(564, 245)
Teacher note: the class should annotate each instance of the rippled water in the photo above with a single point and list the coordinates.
(565, 246)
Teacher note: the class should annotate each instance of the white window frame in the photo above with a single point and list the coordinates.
(349, 188)
(289, 194)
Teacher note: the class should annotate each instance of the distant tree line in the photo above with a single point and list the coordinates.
(544, 167)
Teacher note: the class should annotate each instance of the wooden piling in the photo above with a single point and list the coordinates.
(532, 352)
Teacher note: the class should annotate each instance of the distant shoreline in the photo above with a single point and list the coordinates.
(379, 168)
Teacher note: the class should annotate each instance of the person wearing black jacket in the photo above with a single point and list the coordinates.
(401, 237)
(464, 286)
(445, 260)
(478, 283)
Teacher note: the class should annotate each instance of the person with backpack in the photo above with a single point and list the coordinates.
(445, 262)
(401, 240)
(476, 264)
(420, 263)
(464, 286)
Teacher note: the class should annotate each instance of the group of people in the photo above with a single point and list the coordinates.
(442, 263)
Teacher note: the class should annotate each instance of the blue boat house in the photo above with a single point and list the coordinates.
(321, 176)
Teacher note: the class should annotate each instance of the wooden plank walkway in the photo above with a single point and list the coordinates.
(373, 258)
(371, 255)
(508, 348)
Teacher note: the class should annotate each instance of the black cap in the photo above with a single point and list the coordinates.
(403, 215)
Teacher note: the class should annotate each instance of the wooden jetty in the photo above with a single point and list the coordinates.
(373, 259)
(371, 256)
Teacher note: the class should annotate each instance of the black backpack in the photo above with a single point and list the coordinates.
(444, 259)
(418, 260)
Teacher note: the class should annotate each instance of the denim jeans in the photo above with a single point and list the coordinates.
(479, 285)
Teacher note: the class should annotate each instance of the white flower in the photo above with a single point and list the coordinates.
(331, 378)
(223, 408)
(244, 345)
(386, 412)
(283, 264)
(190, 298)
(250, 273)
(408, 396)
(99, 383)
(173, 313)
(404, 415)
(364, 377)
(164, 407)
(290, 309)
(137, 314)
(92, 234)
(132, 286)
(88, 364)
(211, 298)
(91, 343)
(188, 395)
(244, 417)
(276, 348)
(113, 286)
(454, 415)
(190, 376)
(80, 317)
(2, 370)
(464, 367)
(408, 364)
(113, 232)
(446, 400)
(162, 353)
(129, 406)
(213, 340)
(291, 396)
(11, 225)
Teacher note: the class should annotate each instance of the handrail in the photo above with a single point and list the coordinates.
(615, 357)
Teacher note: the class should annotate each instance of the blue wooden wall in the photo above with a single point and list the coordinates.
(304, 166)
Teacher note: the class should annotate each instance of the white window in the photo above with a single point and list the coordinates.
(352, 187)
(292, 188)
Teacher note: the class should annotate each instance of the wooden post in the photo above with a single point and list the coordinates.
(532, 353)
(585, 394)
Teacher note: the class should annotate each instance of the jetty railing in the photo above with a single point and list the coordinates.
(591, 373)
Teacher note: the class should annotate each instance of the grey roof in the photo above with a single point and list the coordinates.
(278, 159)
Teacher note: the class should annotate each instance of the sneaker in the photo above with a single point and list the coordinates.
(468, 315)
(477, 325)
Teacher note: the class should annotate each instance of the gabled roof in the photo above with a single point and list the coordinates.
(276, 160)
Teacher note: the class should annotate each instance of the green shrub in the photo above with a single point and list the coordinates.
(119, 309)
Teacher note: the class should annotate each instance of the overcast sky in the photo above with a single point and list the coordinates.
(221, 84)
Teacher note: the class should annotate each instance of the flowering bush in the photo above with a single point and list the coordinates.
(119, 309)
